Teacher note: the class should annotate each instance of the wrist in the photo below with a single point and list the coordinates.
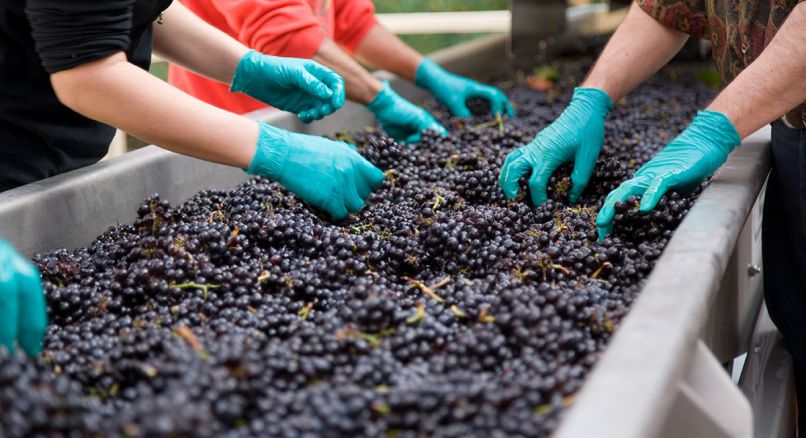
(384, 98)
(244, 70)
(733, 113)
(612, 90)
(231, 60)
(427, 73)
(370, 91)
(713, 128)
(593, 98)
(271, 152)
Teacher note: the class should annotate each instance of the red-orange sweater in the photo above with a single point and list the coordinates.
(292, 28)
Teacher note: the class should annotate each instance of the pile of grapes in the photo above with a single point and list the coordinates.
(441, 309)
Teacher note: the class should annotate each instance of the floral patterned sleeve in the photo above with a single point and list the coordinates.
(687, 16)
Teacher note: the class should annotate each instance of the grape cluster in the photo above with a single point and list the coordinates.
(441, 309)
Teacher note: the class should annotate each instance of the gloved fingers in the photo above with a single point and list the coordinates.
(32, 312)
(313, 86)
(413, 138)
(318, 112)
(604, 230)
(584, 162)
(458, 108)
(688, 189)
(515, 167)
(336, 83)
(435, 126)
(508, 105)
(325, 110)
(9, 309)
(366, 177)
(604, 220)
(371, 175)
(306, 116)
(362, 186)
(398, 133)
(352, 199)
(309, 115)
(499, 102)
(540, 179)
(496, 104)
(336, 208)
(653, 194)
(580, 177)
(412, 127)
(333, 80)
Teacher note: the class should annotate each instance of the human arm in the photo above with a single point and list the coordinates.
(155, 111)
(91, 75)
(23, 316)
(383, 49)
(300, 86)
(764, 91)
(637, 50)
(401, 119)
(360, 85)
(318, 170)
(771, 85)
(185, 39)
(578, 133)
(291, 28)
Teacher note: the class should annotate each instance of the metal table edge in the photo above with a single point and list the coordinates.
(635, 380)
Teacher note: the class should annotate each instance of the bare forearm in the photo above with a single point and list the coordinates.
(637, 50)
(383, 49)
(360, 85)
(156, 111)
(185, 39)
(773, 84)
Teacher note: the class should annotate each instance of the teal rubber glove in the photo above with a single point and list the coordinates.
(301, 86)
(682, 165)
(453, 91)
(328, 174)
(401, 119)
(576, 135)
(23, 315)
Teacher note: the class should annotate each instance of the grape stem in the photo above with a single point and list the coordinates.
(425, 289)
(419, 314)
(205, 288)
(303, 313)
(265, 275)
(187, 334)
(598, 271)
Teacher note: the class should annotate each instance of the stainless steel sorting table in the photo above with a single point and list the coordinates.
(662, 374)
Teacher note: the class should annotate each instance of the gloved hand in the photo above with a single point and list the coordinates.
(576, 135)
(401, 119)
(23, 315)
(326, 173)
(301, 86)
(453, 90)
(683, 164)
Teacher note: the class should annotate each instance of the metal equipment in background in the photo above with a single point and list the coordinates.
(543, 29)
(534, 24)
(662, 374)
